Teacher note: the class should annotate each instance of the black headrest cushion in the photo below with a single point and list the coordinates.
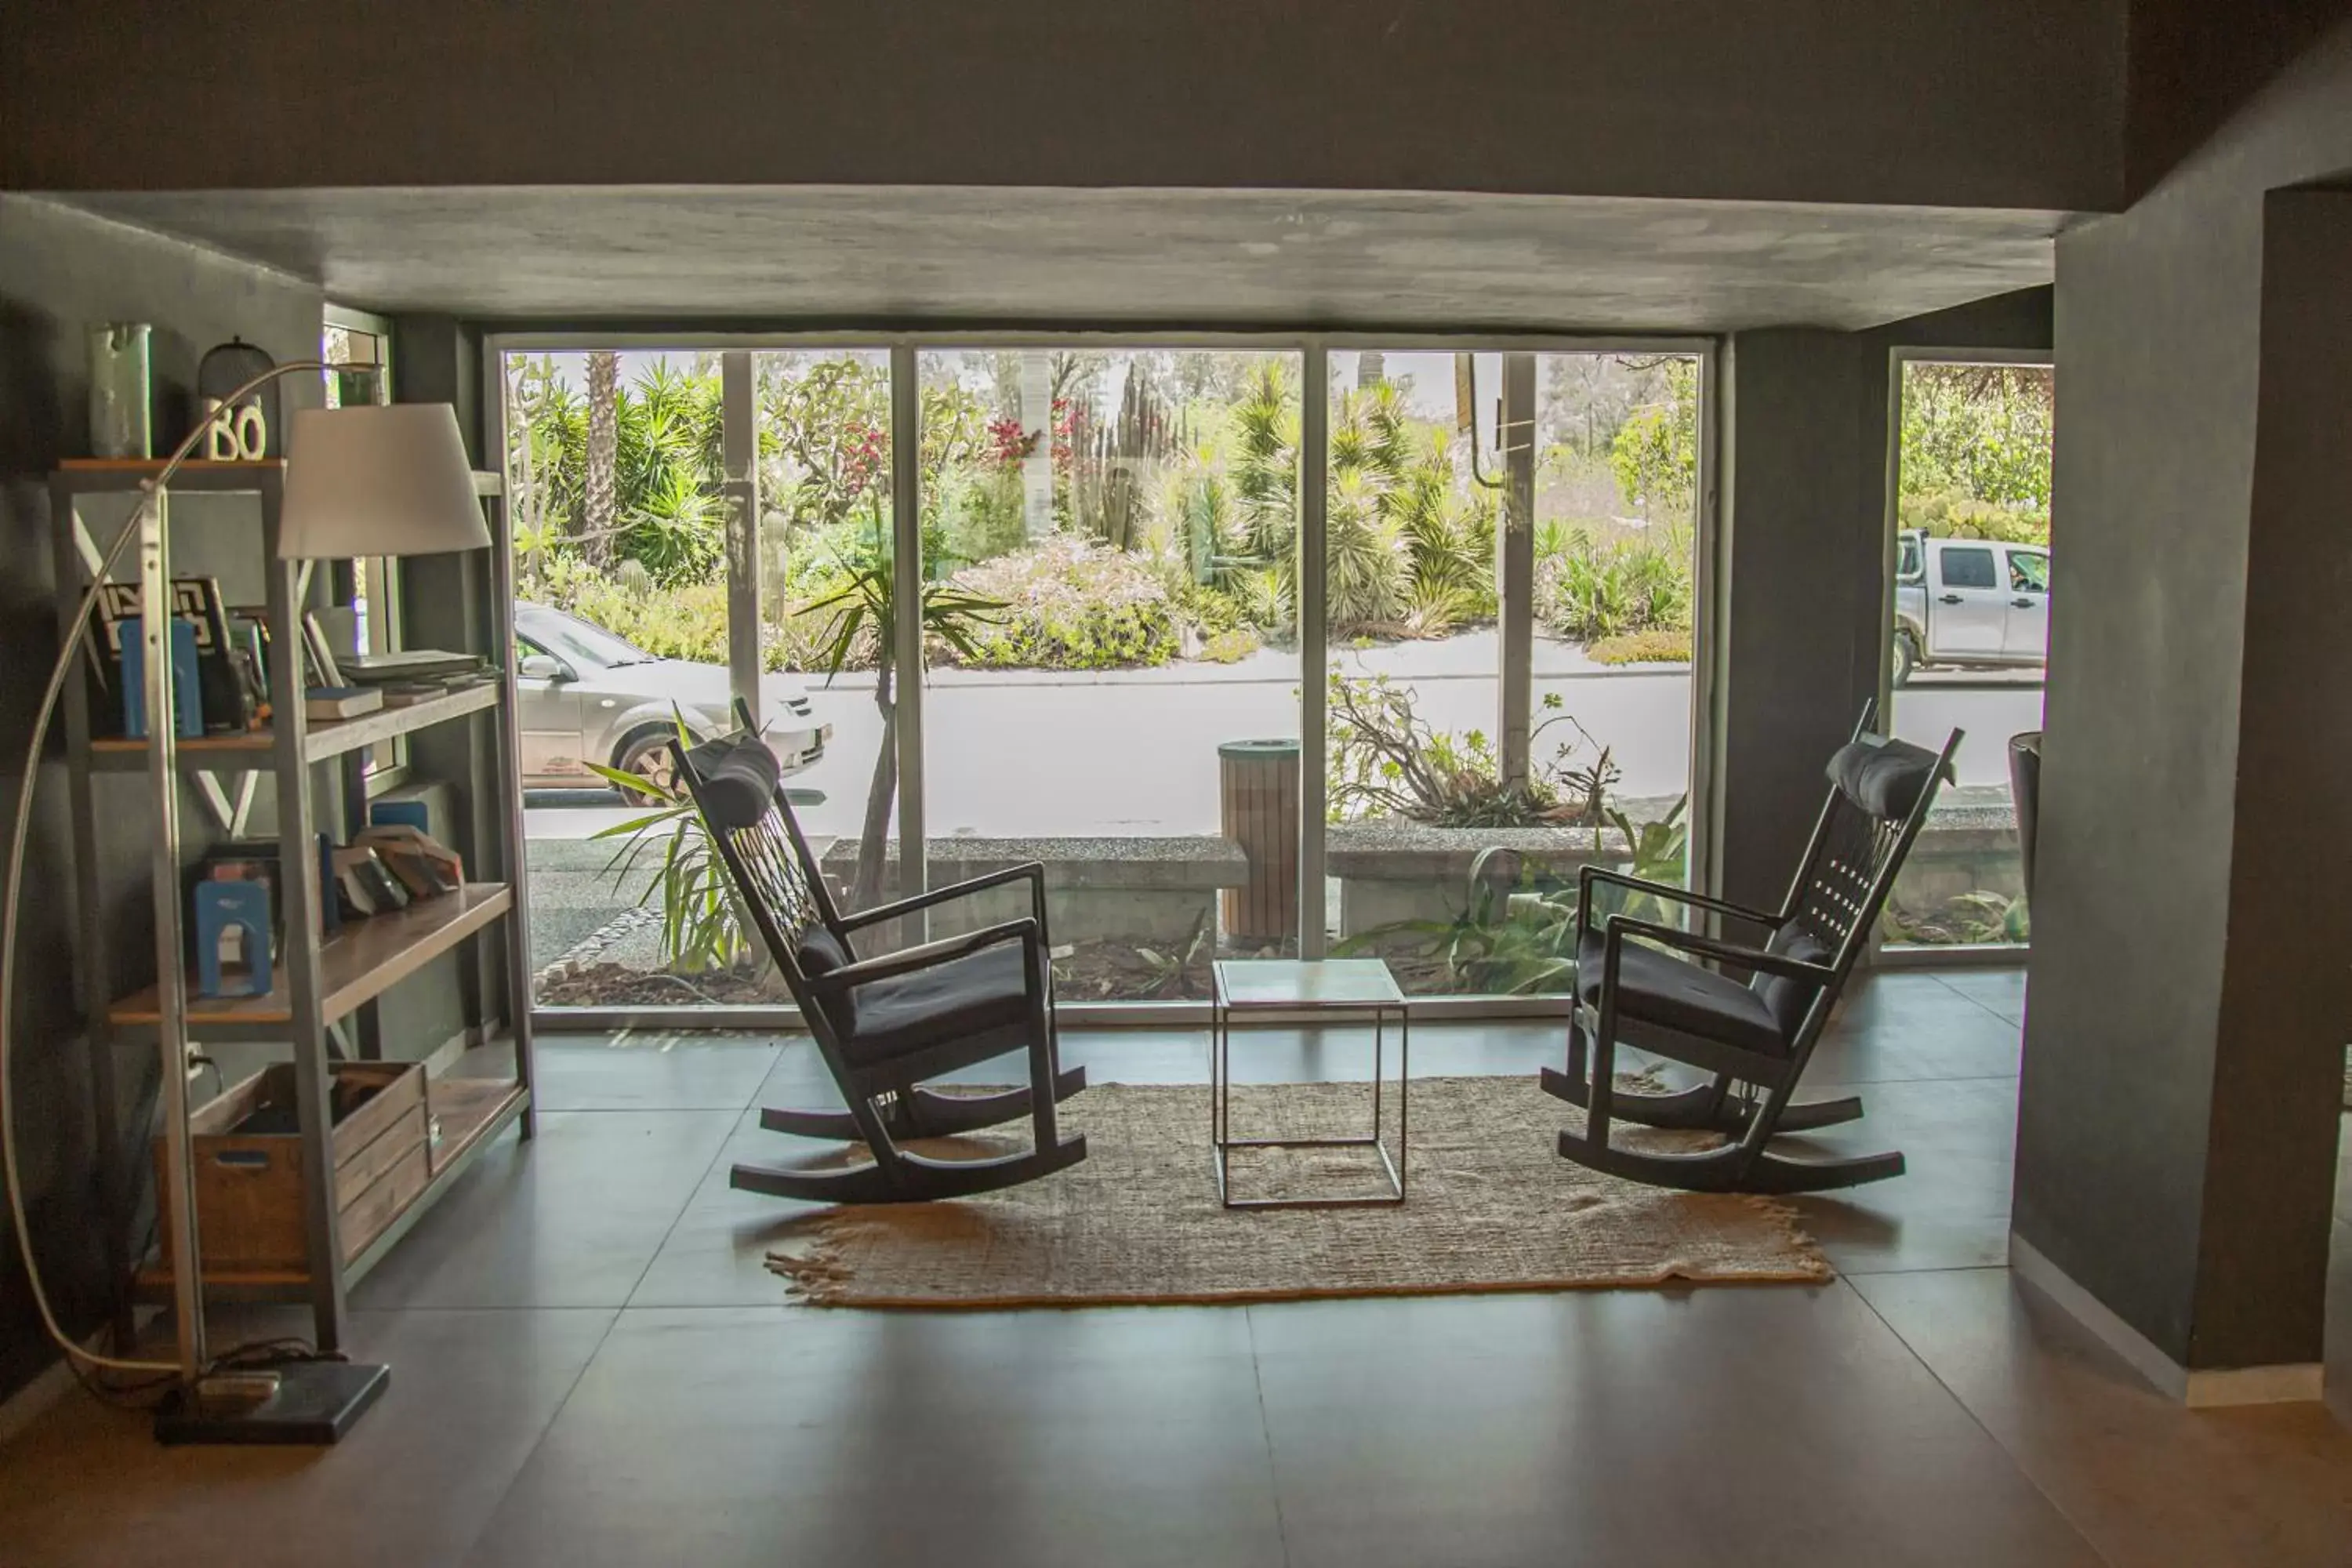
(1884, 777)
(738, 781)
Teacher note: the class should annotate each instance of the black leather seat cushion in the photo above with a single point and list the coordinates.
(1656, 987)
(975, 994)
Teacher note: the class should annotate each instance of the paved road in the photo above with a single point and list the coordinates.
(1014, 753)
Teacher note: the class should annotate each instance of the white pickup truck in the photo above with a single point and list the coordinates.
(1969, 603)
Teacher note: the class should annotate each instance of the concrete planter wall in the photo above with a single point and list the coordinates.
(1962, 848)
(1158, 889)
(1392, 871)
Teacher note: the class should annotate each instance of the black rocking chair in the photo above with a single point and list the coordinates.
(1754, 1035)
(885, 1026)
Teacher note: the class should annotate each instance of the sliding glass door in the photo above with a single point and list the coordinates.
(1510, 545)
(1110, 540)
(690, 528)
(1404, 743)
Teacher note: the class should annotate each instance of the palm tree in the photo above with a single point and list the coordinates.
(602, 490)
(864, 608)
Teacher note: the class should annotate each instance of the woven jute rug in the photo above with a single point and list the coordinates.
(1491, 1206)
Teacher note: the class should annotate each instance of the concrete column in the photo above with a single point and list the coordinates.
(740, 440)
(1515, 566)
(2190, 995)
(1799, 640)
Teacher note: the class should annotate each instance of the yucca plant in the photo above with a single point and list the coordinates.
(1365, 575)
(1265, 598)
(700, 930)
(864, 608)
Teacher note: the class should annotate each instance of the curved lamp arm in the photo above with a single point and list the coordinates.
(191, 1327)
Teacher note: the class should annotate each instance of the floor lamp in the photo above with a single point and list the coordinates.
(367, 480)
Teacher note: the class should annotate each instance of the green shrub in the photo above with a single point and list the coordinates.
(1230, 647)
(1071, 605)
(1643, 648)
(1954, 514)
(980, 513)
(1591, 591)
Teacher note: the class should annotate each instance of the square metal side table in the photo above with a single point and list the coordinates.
(1344, 986)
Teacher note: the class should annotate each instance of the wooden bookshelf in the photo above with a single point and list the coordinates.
(358, 963)
(322, 739)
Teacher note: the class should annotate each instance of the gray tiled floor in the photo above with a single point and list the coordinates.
(593, 1366)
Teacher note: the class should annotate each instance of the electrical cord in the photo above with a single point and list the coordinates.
(85, 1364)
(83, 1360)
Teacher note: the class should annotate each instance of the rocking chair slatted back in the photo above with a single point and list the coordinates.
(1880, 793)
(733, 784)
(1834, 891)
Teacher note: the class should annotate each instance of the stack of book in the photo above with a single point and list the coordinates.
(415, 675)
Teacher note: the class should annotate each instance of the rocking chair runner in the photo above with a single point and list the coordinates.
(1761, 1033)
(884, 1025)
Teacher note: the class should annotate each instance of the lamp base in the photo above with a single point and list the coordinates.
(316, 1401)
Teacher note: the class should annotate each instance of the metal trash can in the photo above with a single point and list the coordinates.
(1257, 791)
(2025, 792)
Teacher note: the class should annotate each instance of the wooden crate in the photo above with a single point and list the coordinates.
(249, 1181)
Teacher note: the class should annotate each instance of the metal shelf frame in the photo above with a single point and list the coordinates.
(318, 979)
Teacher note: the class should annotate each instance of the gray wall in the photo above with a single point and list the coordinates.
(2176, 1119)
(2193, 63)
(1805, 442)
(2015, 103)
(58, 272)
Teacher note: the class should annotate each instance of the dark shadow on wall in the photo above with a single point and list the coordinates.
(49, 1088)
(61, 272)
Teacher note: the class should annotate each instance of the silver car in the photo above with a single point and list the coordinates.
(588, 696)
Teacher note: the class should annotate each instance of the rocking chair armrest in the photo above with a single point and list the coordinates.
(931, 954)
(1588, 875)
(1032, 869)
(1620, 927)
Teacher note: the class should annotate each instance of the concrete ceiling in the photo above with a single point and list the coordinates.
(1178, 258)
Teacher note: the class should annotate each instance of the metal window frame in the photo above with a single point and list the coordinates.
(379, 775)
(905, 348)
(1882, 954)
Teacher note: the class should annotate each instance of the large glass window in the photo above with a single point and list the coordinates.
(615, 464)
(1111, 580)
(359, 349)
(1112, 593)
(1971, 632)
(1510, 543)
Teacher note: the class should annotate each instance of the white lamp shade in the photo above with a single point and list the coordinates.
(378, 480)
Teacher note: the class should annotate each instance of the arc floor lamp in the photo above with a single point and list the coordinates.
(364, 480)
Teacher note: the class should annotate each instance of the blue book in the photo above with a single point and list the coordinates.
(399, 813)
(187, 694)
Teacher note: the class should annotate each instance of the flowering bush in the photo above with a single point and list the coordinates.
(1071, 605)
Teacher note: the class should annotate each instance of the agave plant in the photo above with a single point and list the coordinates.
(1516, 933)
(1659, 849)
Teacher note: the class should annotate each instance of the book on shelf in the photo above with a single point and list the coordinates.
(408, 665)
(222, 690)
(425, 867)
(331, 702)
(365, 886)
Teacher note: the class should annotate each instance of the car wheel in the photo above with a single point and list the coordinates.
(1907, 657)
(647, 755)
